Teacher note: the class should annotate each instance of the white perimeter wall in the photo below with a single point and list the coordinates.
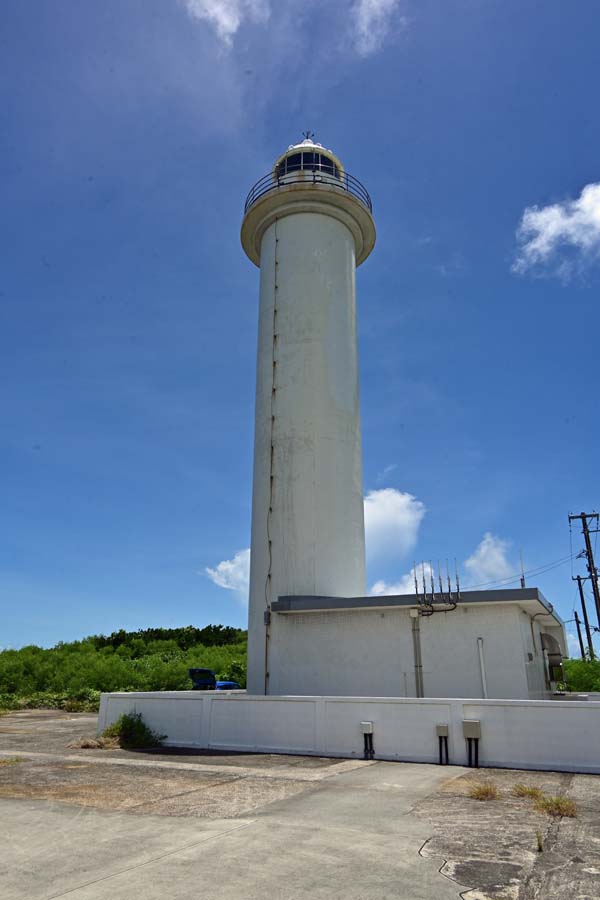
(528, 734)
(370, 653)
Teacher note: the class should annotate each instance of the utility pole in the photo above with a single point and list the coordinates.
(578, 624)
(588, 630)
(591, 565)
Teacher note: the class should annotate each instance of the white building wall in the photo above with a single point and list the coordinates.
(370, 653)
(531, 636)
(308, 493)
(451, 657)
(362, 653)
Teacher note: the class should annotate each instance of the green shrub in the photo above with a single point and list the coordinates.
(76, 701)
(132, 733)
(71, 675)
(582, 675)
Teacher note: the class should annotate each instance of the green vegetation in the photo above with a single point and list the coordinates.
(11, 761)
(71, 675)
(486, 791)
(132, 733)
(582, 675)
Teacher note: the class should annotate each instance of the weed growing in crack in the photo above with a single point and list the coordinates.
(485, 791)
(557, 806)
(526, 790)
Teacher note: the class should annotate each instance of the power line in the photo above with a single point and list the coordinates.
(547, 567)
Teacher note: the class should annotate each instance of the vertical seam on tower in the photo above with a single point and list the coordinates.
(268, 579)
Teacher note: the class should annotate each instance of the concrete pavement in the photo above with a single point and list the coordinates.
(350, 836)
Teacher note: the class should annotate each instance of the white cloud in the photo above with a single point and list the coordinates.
(372, 21)
(489, 562)
(392, 520)
(233, 574)
(226, 16)
(573, 647)
(406, 584)
(382, 476)
(562, 237)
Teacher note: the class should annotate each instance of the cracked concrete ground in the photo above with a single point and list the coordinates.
(491, 846)
(94, 824)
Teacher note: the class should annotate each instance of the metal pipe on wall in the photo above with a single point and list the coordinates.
(416, 636)
(482, 667)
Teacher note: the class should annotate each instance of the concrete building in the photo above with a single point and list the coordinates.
(502, 644)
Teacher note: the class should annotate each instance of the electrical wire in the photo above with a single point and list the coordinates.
(571, 545)
(540, 570)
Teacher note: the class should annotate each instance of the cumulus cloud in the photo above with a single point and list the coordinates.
(392, 521)
(405, 585)
(233, 574)
(372, 21)
(226, 16)
(489, 562)
(560, 238)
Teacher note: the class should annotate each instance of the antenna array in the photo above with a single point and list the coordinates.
(431, 600)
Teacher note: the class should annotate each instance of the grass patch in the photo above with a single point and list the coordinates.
(100, 743)
(486, 791)
(557, 806)
(132, 733)
(526, 790)
(11, 761)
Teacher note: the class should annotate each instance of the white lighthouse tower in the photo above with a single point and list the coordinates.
(307, 225)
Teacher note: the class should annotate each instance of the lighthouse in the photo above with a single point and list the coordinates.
(307, 225)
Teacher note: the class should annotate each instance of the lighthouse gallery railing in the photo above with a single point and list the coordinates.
(272, 182)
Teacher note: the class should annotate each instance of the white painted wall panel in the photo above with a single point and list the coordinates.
(270, 725)
(401, 731)
(531, 733)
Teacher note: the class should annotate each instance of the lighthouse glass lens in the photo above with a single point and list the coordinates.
(308, 160)
(294, 163)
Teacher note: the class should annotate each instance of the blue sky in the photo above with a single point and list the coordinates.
(131, 132)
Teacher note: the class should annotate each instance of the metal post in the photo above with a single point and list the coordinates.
(589, 553)
(588, 630)
(578, 624)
